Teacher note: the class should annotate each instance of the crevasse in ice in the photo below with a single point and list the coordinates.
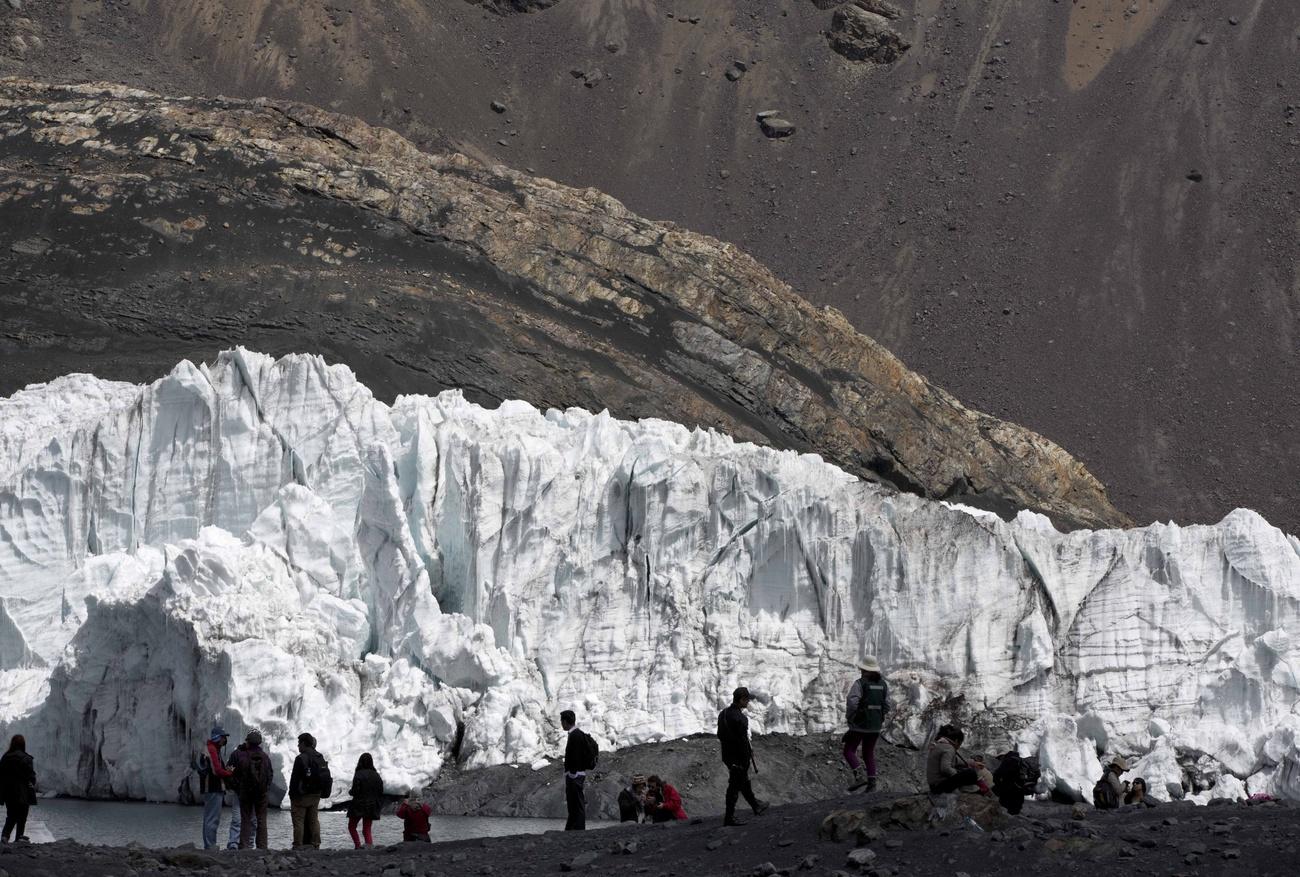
(260, 542)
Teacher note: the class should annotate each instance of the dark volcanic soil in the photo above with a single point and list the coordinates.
(1079, 216)
(1174, 839)
(790, 769)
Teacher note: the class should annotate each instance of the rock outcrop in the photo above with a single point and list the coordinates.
(860, 34)
(170, 227)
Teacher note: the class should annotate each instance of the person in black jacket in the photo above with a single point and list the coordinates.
(737, 755)
(309, 769)
(577, 758)
(367, 800)
(17, 787)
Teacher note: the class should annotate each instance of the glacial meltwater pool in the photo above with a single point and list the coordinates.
(111, 823)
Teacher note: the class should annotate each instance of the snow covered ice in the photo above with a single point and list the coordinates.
(260, 542)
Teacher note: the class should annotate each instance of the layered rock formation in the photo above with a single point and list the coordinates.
(169, 226)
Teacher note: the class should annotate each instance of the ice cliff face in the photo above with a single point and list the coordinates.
(263, 543)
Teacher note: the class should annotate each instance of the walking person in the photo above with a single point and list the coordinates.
(367, 800)
(580, 755)
(738, 756)
(309, 781)
(867, 705)
(253, 773)
(17, 787)
(212, 784)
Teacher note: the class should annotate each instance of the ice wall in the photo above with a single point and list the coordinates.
(261, 542)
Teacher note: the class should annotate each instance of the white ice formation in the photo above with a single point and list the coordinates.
(261, 542)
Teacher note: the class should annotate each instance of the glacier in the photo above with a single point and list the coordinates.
(261, 542)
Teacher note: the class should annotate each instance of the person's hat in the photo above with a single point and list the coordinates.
(254, 738)
(217, 733)
(1119, 762)
(638, 779)
(869, 663)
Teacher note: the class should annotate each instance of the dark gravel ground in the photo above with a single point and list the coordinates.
(1173, 839)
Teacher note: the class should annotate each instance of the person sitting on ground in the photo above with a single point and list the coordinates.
(945, 769)
(1109, 791)
(631, 801)
(17, 787)
(1137, 795)
(367, 799)
(663, 802)
(414, 814)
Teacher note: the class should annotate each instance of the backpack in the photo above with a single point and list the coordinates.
(1029, 775)
(1103, 795)
(255, 774)
(591, 749)
(324, 782)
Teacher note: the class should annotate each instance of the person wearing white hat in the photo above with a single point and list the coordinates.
(867, 705)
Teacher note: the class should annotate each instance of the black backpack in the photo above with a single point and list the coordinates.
(591, 749)
(255, 775)
(1029, 775)
(1103, 795)
(324, 782)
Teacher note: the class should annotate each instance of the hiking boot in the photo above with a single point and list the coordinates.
(871, 784)
(761, 808)
(858, 778)
(23, 839)
(732, 822)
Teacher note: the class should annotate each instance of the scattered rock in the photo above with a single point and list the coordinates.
(774, 127)
(16, 5)
(1234, 20)
(809, 862)
(581, 861)
(766, 869)
(736, 70)
(1195, 176)
(713, 845)
(860, 35)
(498, 107)
(408, 868)
(1079, 812)
(1202, 40)
(860, 857)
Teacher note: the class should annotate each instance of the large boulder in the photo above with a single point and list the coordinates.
(862, 35)
(911, 813)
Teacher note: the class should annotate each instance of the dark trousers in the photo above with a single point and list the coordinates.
(1012, 802)
(575, 796)
(737, 786)
(252, 810)
(964, 777)
(16, 818)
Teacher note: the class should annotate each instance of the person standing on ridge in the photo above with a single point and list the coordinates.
(738, 756)
(867, 705)
(309, 782)
(580, 755)
(212, 776)
(367, 800)
(17, 787)
(253, 773)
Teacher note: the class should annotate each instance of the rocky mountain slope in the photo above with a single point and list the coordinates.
(136, 228)
(1079, 216)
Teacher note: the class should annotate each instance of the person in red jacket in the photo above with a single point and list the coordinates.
(415, 819)
(212, 776)
(663, 802)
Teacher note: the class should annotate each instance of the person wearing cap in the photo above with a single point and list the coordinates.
(867, 704)
(212, 777)
(631, 801)
(738, 756)
(1117, 768)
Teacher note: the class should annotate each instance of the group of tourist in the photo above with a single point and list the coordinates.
(244, 777)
